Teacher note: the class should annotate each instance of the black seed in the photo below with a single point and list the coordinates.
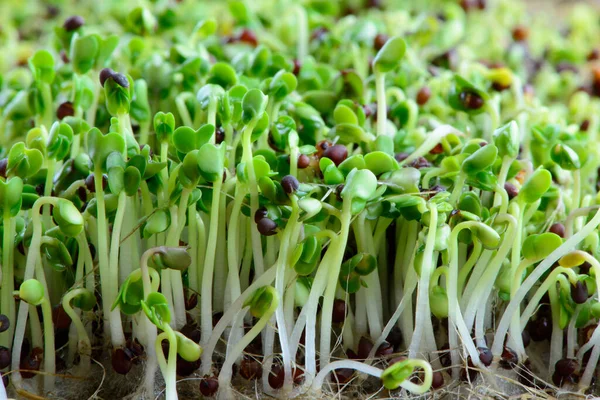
(401, 156)
(65, 110)
(485, 356)
(471, 100)
(120, 80)
(121, 361)
(74, 22)
(260, 214)
(290, 184)
(209, 386)
(364, 347)
(4, 323)
(336, 153)
(579, 292)
(339, 311)
(267, 227)
(105, 74)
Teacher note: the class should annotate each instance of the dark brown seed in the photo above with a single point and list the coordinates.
(31, 363)
(511, 190)
(247, 36)
(395, 337)
(290, 184)
(499, 87)
(485, 356)
(423, 95)
(216, 318)
(469, 373)
(186, 368)
(277, 376)
(250, 369)
(322, 146)
(318, 33)
(509, 359)
(105, 74)
(260, 214)
(396, 360)
(3, 165)
(437, 149)
(4, 323)
(64, 57)
(267, 227)
(379, 41)
(385, 349)
(420, 162)
(336, 153)
(74, 22)
(558, 229)
(303, 161)
(437, 380)
(339, 311)
(593, 55)
(82, 193)
(209, 385)
(526, 338)
(364, 348)
(401, 156)
(520, 33)
(65, 110)
(5, 357)
(120, 80)
(342, 375)
(297, 67)
(351, 354)
(481, 4)
(579, 292)
(89, 184)
(61, 319)
(470, 100)
(191, 332)
(566, 367)
(566, 67)
(585, 124)
(191, 301)
(219, 135)
(121, 361)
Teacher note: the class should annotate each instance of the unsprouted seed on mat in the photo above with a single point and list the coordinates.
(298, 199)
